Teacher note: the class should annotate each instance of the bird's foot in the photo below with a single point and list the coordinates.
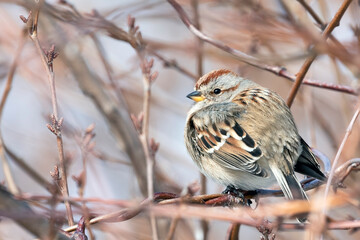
(237, 193)
(233, 191)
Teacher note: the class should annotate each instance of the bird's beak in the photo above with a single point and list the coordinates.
(196, 96)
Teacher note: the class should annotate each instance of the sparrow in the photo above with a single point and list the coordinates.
(244, 136)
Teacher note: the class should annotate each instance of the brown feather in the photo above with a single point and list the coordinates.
(210, 76)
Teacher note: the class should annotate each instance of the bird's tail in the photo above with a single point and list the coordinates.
(296, 190)
(290, 186)
(307, 163)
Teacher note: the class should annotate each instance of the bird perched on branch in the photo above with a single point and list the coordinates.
(243, 136)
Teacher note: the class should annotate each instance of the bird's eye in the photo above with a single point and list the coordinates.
(217, 90)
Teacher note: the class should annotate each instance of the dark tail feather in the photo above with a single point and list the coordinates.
(307, 163)
(290, 187)
(297, 193)
(296, 190)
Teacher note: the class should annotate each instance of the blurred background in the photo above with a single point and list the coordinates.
(99, 83)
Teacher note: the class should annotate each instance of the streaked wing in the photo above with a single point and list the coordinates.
(227, 143)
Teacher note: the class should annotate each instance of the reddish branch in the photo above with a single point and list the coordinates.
(151, 146)
(305, 67)
(280, 71)
(173, 204)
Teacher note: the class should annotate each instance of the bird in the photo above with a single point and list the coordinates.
(243, 136)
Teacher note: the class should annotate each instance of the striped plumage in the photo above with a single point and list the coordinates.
(244, 136)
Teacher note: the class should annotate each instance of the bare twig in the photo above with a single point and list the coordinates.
(102, 54)
(22, 214)
(29, 170)
(245, 215)
(199, 48)
(47, 60)
(305, 67)
(312, 13)
(280, 71)
(338, 225)
(238, 215)
(321, 23)
(11, 72)
(118, 216)
(337, 157)
(186, 210)
(343, 171)
(149, 147)
(318, 84)
(224, 199)
(199, 63)
(96, 22)
(299, 79)
(172, 228)
(90, 83)
(86, 146)
(173, 64)
(240, 55)
(233, 232)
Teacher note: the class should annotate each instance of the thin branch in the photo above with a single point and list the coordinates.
(109, 72)
(21, 213)
(149, 147)
(239, 215)
(337, 157)
(240, 55)
(308, 184)
(172, 228)
(144, 139)
(199, 67)
(338, 225)
(305, 67)
(100, 50)
(280, 71)
(96, 22)
(299, 79)
(117, 216)
(246, 215)
(321, 23)
(23, 165)
(187, 209)
(5, 164)
(233, 232)
(29, 170)
(200, 44)
(86, 145)
(226, 199)
(325, 85)
(312, 13)
(47, 61)
(343, 171)
(11, 73)
(173, 64)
